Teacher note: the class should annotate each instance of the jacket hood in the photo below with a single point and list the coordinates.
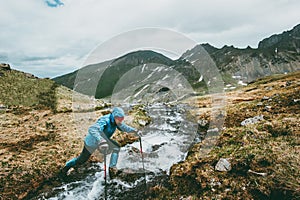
(118, 112)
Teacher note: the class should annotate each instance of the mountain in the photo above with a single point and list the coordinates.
(112, 71)
(280, 53)
(276, 54)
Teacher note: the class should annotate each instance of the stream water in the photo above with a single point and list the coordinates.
(165, 142)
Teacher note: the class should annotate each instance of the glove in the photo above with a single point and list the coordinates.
(103, 148)
(139, 133)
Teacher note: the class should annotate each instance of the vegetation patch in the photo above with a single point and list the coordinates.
(264, 156)
(19, 90)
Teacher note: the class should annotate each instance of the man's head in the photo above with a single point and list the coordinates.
(118, 115)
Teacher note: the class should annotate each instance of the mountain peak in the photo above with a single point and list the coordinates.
(142, 56)
(283, 39)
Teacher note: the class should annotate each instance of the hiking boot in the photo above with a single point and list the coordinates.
(63, 173)
(66, 170)
(113, 172)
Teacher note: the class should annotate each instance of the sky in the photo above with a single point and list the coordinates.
(49, 38)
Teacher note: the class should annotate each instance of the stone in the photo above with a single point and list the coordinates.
(223, 165)
(4, 66)
(2, 107)
(259, 104)
(252, 120)
(142, 122)
(202, 122)
(265, 98)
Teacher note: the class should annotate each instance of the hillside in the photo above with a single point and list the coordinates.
(260, 141)
(24, 89)
(36, 141)
(39, 132)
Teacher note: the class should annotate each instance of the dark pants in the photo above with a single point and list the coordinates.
(87, 152)
(84, 156)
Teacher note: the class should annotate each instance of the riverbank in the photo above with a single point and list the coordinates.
(263, 155)
(35, 145)
(259, 145)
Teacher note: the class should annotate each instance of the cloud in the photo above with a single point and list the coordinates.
(70, 29)
(40, 65)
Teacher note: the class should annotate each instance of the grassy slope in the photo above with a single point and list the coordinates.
(36, 142)
(35, 139)
(270, 146)
(19, 90)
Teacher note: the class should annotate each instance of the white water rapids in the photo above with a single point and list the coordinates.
(165, 142)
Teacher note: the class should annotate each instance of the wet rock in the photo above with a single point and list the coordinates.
(131, 175)
(202, 122)
(157, 146)
(142, 122)
(223, 165)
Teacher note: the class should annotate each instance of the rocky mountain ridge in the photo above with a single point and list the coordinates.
(277, 54)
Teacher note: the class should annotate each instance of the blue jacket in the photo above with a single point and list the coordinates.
(104, 128)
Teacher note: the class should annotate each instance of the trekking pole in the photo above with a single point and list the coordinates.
(103, 148)
(141, 149)
(105, 178)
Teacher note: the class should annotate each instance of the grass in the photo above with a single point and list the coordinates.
(35, 144)
(39, 133)
(270, 147)
(17, 90)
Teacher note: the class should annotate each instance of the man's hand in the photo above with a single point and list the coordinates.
(103, 148)
(139, 133)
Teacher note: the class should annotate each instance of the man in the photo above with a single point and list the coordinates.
(99, 135)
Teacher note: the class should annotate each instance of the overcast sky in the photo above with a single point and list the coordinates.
(49, 38)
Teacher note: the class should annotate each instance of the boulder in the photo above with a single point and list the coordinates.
(4, 66)
(28, 75)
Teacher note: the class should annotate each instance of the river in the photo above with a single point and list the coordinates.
(165, 142)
